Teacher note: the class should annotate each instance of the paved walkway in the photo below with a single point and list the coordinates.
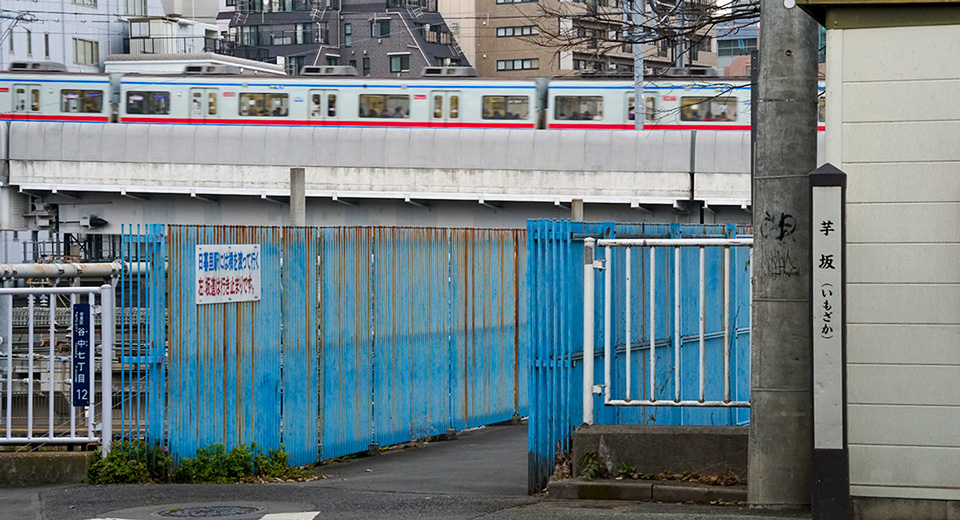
(481, 475)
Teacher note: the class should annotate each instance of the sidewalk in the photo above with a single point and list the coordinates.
(480, 475)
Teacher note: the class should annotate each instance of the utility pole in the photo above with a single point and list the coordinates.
(781, 422)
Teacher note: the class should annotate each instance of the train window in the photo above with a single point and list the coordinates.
(212, 103)
(506, 107)
(579, 108)
(438, 107)
(264, 105)
(822, 109)
(81, 101)
(649, 108)
(21, 100)
(708, 109)
(148, 102)
(331, 105)
(454, 107)
(375, 105)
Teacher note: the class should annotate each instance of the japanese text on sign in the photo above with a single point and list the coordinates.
(81, 354)
(827, 300)
(228, 273)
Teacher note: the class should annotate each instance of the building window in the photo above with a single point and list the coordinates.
(29, 42)
(366, 66)
(139, 29)
(736, 47)
(519, 1)
(347, 35)
(380, 28)
(294, 64)
(10, 39)
(86, 52)
(332, 60)
(523, 64)
(46, 45)
(400, 63)
(87, 3)
(353, 63)
(525, 30)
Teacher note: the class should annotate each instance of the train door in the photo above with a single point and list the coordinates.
(445, 107)
(324, 105)
(203, 103)
(26, 98)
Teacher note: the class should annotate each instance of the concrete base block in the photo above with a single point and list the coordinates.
(644, 491)
(41, 468)
(871, 508)
(653, 449)
(600, 490)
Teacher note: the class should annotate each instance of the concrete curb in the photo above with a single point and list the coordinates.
(644, 491)
(44, 467)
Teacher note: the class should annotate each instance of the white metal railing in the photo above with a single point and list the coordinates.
(591, 265)
(56, 429)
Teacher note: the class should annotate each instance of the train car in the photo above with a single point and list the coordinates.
(38, 95)
(328, 101)
(696, 104)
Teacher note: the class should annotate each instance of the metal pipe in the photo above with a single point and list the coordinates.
(106, 370)
(653, 327)
(30, 301)
(629, 267)
(699, 404)
(72, 270)
(726, 324)
(91, 408)
(27, 291)
(703, 325)
(675, 242)
(607, 333)
(676, 324)
(52, 305)
(73, 411)
(8, 339)
(588, 311)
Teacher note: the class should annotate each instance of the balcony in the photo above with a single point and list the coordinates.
(170, 45)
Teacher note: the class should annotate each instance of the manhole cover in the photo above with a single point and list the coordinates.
(208, 511)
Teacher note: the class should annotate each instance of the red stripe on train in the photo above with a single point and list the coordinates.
(294, 122)
(33, 117)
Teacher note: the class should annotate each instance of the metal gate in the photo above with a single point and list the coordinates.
(672, 287)
(75, 378)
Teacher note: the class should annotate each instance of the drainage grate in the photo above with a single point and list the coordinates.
(208, 511)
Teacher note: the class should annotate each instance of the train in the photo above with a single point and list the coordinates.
(446, 97)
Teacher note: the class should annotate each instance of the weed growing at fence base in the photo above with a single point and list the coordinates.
(134, 463)
(131, 463)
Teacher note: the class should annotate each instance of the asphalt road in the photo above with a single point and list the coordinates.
(481, 475)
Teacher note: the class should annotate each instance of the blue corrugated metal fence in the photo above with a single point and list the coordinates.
(555, 333)
(361, 336)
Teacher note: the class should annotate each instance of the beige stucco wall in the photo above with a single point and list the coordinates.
(893, 125)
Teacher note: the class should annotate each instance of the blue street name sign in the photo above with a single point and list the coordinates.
(82, 360)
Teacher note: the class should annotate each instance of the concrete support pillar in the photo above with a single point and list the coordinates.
(298, 197)
(576, 210)
(786, 151)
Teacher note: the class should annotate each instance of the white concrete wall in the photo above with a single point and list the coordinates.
(64, 21)
(893, 125)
